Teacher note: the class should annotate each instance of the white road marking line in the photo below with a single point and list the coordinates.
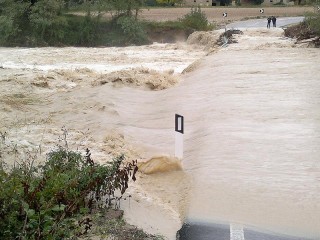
(236, 232)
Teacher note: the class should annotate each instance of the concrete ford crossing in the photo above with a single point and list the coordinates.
(203, 231)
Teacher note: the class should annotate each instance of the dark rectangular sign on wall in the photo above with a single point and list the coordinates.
(179, 125)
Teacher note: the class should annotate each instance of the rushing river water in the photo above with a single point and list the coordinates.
(252, 134)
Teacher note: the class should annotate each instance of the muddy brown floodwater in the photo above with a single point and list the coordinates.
(252, 125)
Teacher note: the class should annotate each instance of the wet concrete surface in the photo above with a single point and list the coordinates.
(204, 232)
(254, 23)
(201, 231)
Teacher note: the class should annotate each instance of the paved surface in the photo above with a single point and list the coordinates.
(256, 23)
(196, 231)
(215, 13)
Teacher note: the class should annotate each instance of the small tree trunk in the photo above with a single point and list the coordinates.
(129, 8)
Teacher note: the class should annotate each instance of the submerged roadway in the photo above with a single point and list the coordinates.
(205, 231)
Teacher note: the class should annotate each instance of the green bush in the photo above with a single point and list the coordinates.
(14, 20)
(132, 29)
(7, 28)
(259, 2)
(44, 202)
(196, 20)
(43, 13)
(313, 22)
(151, 3)
(88, 33)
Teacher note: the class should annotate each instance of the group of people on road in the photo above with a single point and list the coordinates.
(273, 19)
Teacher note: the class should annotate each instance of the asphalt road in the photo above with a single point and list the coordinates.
(197, 231)
(257, 23)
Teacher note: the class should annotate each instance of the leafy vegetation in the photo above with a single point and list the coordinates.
(258, 2)
(57, 23)
(53, 200)
(313, 21)
(123, 7)
(168, 2)
(47, 22)
(196, 20)
(132, 29)
(307, 30)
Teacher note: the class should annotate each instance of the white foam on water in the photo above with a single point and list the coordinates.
(236, 232)
(161, 57)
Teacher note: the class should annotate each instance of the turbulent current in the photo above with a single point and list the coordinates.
(252, 126)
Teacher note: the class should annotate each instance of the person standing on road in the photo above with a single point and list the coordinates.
(274, 20)
(269, 21)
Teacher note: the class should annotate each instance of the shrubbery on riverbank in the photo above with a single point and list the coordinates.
(73, 30)
(307, 30)
(313, 22)
(41, 25)
(54, 200)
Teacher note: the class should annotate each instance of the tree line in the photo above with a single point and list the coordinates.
(31, 23)
(37, 22)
